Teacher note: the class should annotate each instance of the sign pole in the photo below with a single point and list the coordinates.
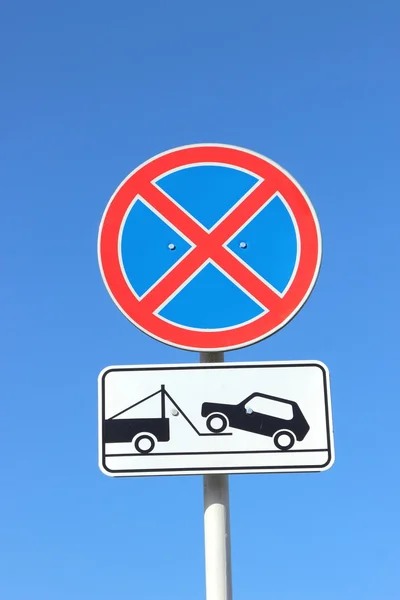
(217, 537)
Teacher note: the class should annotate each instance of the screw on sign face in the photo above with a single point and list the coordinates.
(209, 247)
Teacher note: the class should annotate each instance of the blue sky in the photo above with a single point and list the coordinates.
(89, 91)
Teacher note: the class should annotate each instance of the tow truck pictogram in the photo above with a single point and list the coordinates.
(262, 414)
(145, 432)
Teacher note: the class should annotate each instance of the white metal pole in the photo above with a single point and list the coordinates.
(217, 535)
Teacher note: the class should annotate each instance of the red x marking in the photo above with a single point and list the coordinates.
(208, 245)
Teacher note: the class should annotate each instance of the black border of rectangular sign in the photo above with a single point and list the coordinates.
(201, 470)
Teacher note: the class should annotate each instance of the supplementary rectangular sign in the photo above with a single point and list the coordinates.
(215, 418)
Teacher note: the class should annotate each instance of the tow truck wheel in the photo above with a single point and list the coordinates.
(144, 443)
(284, 440)
(217, 423)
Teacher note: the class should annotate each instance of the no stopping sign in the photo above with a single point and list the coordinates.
(209, 247)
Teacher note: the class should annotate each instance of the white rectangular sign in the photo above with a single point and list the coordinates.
(215, 418)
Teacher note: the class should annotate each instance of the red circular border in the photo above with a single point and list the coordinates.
(238, 336)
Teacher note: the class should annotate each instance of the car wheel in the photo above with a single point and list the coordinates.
(217, 423)
(284, 440)
(144, 443)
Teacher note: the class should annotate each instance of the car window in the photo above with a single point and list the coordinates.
(272, 408)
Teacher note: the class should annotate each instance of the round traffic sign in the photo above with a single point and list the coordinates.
(209, 247)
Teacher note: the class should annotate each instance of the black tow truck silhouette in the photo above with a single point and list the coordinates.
(283, 430)
(145, 432)
(142, 432)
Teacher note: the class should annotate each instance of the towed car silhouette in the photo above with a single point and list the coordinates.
(278, 418)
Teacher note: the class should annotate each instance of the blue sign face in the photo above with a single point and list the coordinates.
(211, 299)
